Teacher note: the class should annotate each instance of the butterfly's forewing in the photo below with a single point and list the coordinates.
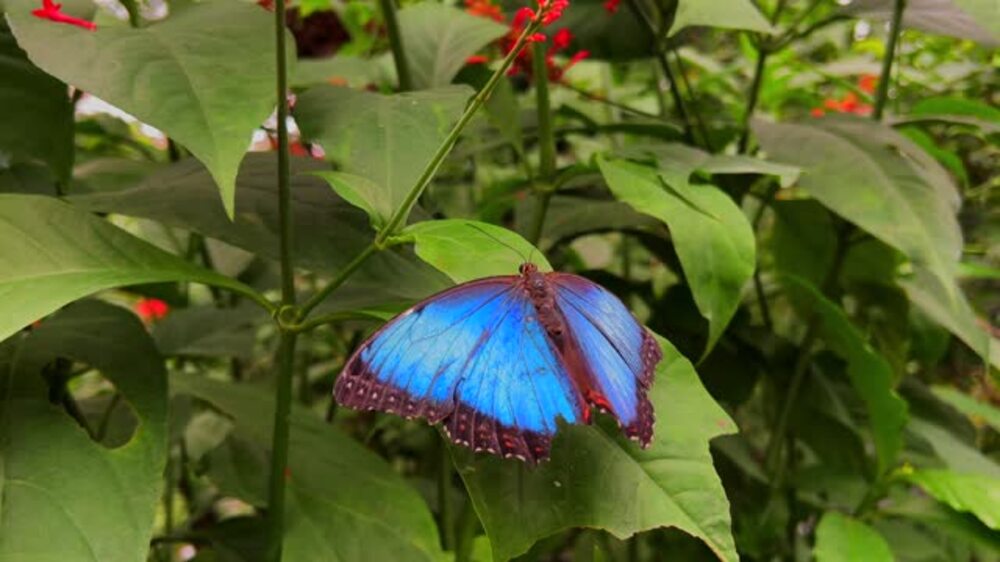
(618, 353)
(475, 357)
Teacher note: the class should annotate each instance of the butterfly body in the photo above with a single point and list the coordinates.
(500, 360)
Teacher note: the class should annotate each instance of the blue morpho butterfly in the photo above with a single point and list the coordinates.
(498, 360)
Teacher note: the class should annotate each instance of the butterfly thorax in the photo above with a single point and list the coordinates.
(543, 297)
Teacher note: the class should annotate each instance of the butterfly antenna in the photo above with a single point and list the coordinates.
(501, 242)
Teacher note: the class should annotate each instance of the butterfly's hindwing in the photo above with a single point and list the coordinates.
(475, 357)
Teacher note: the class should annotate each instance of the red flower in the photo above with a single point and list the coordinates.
(611, 6)
(867, 83)
(151, 309)
(850, 103)
(51, 11)
(477, 59)
(484, 9)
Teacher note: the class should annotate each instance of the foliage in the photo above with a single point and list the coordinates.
(799, 198)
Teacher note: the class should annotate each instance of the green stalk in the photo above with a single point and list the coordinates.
(546, 141)
(383, 239)
(388, 8)
(895, 27)
(286, 349)
(758, 81)
(403, 211)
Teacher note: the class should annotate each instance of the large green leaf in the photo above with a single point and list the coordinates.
(882, 182)
(869, 372)
(66, 497)
(327, 232)
(876, 178)
(597, 479)
(733, 14)
(209, 331)
(969, 406)
(840, 538)
(35, 110)
(52, 253)
(465, 250)
(204, 76)
(976, 20)
(386, 139)
(344, 503)
(712, 237)
(439, 37)
(975, 493)
(949, 308)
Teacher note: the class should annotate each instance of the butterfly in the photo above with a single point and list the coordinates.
(499, 360)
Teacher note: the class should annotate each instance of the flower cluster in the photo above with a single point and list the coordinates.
(849, 102)
(548, 11)
(53, 12)
(151, 309)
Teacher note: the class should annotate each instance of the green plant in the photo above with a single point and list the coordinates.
(798, 198)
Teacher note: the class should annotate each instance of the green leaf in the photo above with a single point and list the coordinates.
(869, 372)
(344, 502)
(363, 194)
(35, 110)
(948, 307)
(804, 240)
(712, 237)
(614, 36)
(896, 191)
(345, 69)
(465, 250)
(439, 37)
(840, 538)
(385, 139)
(955, 453)
(969, 406)
(598, 479)
(732, 14)
(52, 253)
(209, 331)
(327, 232)
(204, 76)
(53, 476)
(974, 493)
(975, 20)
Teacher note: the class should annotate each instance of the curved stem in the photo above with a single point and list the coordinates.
(546, 141)
(286, 348)
(388, 8)
(403, 211)
(895, 27)
(337, 281)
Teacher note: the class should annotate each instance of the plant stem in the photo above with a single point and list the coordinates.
(611, 103)
(337, 281)
(546, 142)
(445, 499)
(774, 446)
(702, 129)
(279, 445)
(403, 211)
(758, 81)
(286, 348)
(895, 28)
(661, 58)
(752, 97)
(388, 8)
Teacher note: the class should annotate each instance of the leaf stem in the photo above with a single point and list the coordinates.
(342, 276)
(661, 58)
(388, 8)
(286, 348)
(403, 211)
(546, 141)
(279, 444)
(895, 28)
(448, 537)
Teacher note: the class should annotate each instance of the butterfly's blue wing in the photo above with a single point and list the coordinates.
(475, 357)
(617, 354)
